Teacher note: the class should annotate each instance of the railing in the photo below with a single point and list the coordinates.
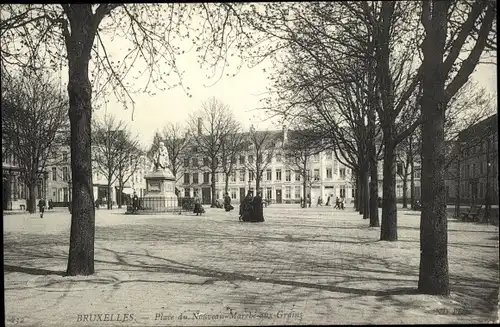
(161, 204)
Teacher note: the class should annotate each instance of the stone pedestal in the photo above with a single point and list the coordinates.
(160, 191)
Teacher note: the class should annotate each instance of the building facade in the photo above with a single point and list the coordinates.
(472, 176)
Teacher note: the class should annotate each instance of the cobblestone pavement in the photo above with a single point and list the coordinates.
(301, 266)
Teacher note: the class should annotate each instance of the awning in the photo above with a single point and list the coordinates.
(128, 190)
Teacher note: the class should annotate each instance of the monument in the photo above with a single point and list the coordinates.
(160, 184)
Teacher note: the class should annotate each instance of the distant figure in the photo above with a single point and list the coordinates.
(320, 202)
(379, 202)
(309, 199)
(135, 202)
(337, 203)
(246, 207)
(51, 204)
(342, 202)
(227, 203)
(41, 205)
(327, 201)
(97, 203)
(198, 209)
(258, 211)
(302, 203)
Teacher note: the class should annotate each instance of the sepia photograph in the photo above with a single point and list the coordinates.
(250, 164)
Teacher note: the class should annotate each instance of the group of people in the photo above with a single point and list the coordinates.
(339, 202)
(251, 208)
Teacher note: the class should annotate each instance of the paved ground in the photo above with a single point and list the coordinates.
(301, 266)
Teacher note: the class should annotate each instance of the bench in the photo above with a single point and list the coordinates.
(472, 214)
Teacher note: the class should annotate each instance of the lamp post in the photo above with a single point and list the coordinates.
(487, 195)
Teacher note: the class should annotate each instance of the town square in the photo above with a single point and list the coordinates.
(206, 164)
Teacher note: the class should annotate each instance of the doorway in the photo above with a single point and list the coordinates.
(278, 196)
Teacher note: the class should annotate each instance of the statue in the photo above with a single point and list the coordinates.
(160, 158)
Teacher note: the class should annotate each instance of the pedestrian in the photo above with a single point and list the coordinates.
(135, 203)
(309, 199)
(328, 201)
(41, 205)
(51, 204)
(258, 211)
(198, 209)
(337, 203)
(342, 202)
(227, 203)
(247, 208)
(320, 202)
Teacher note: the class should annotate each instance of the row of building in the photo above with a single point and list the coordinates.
(280, 183)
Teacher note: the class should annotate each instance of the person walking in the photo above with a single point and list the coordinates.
(135, 203)
(337, 203)
(342, 202)
(227, 203)
(246, 208)
(258, 211)
(198, 209)
(328, 201)
(41, 206)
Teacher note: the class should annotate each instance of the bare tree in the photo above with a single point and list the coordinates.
(262, 147)
(129, 161)
(176, 140)
(448, 35)
(112, 145)
(208, 130)
(36, 35)
(233, 143)
(33, 113)
(302, 144)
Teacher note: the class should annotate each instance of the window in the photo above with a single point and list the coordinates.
(233, 176)
(186, 178)
(242, 175)
(399, 168)
(187, 193)
(328, 172)
(297, 192)
(328, 154)
(342, 172)
(278, 174)
(342, 191)
(54, 173)
(195, 162)
(250, 158)
(65, 190)
(336, 166)
(206, 177)
(316, 157)
(316, 174)
(288, 192)
(65, 156)
(251, 175)
(417, 171)
(269, 174)
(216, 177)
(269, 192)
(205, 161)
(278, 157)
(233, 193)
(195, 178)
(65, 174)
(242, 160)
(297, 175)
(288, 175)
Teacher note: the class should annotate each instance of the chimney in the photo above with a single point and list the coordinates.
(200, 123)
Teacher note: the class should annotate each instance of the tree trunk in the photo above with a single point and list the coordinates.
(357, 193)
(366, 194)
(81, 244)
(304, 185)
(388, 230)
(110, 206)
(412, 184)
(31, 203)
(374, 221)
(405, 186)
(433, 275)
(257, 183)
(120, 195)
(226, 183)
(212, 186)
